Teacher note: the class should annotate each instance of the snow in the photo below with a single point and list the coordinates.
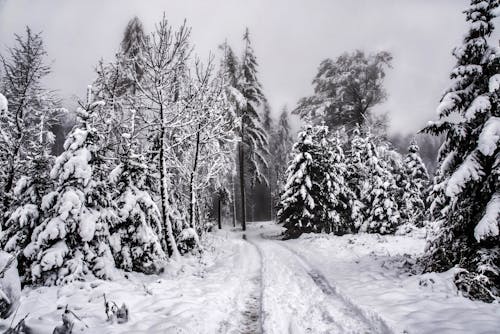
(481, 104)
(10, 284)
(488, 226)
(494, 83)
(4, 105)
(469, 170)
(490, 136)
(87, 225)
(250, 282)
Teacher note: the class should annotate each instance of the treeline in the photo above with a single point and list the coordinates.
(159, 137)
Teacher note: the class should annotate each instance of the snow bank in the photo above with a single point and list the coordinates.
(10, 285)
(374, 271)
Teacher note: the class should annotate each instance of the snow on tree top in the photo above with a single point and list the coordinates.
(4, 105)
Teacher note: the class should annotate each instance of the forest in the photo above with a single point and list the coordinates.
(173, 173)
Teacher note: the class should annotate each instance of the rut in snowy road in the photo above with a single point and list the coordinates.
(296, 298)
(252, 313)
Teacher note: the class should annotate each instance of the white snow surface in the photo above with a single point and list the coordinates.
(258, 284)
(489, 139)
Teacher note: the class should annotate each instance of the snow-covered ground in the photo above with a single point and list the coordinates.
(316, 284)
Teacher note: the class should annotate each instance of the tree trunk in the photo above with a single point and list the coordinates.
(170, 240)
(242, 183)
(219, 207)
(191, 181)
(234, 200)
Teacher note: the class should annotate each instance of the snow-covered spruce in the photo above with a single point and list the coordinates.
(73, 239)
(313, 199)
(135, 240)
(379, 193)
(466, 207)
(415, 184)
(27, 212)
(357, 173)
(27, 118)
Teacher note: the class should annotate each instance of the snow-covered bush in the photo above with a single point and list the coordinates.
(10, 285)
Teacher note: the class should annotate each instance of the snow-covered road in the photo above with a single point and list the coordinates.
(297, 298)
(254, 283)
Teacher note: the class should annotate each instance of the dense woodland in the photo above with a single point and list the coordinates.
(165, 146)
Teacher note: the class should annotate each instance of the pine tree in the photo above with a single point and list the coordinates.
(281, 143)
(415, 184)
(132, 47)
(136, 238)
(73, 239)
(467, 199)
(357, 171)
(307, 203)
(378, 193)
(340, 193)
(31, 108)
(27, 210)
(252, 149)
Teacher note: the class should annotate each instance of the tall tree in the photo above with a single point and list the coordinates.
(346, 89)
(466, 190)
(31, 107)
(281, 143)
(162, 90)
(132, 48)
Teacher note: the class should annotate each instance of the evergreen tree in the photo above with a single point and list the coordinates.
(73, 239)
(252, 149)
(136, 239)
(307, 203)
(415, 184)
(32, 110)
(281, 143)
(467, 199)
(357, 171)
(27, 210)
(379, 193)
(132, 48)
(340, 192)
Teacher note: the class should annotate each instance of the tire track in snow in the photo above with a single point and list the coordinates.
(252, 314)
(370, 318)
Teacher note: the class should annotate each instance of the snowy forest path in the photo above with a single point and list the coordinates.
(297, 298)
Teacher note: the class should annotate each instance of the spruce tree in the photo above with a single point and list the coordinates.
(73, 239)
(136, 238)
(467, 199)
(415, 184)
(252, 149)
(340, 193)
(27, 212)
(32, 109)
(379, 193)
(357, 172)
(281, 143)
(307, 203)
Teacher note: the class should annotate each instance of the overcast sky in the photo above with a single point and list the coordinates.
(290, 39)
